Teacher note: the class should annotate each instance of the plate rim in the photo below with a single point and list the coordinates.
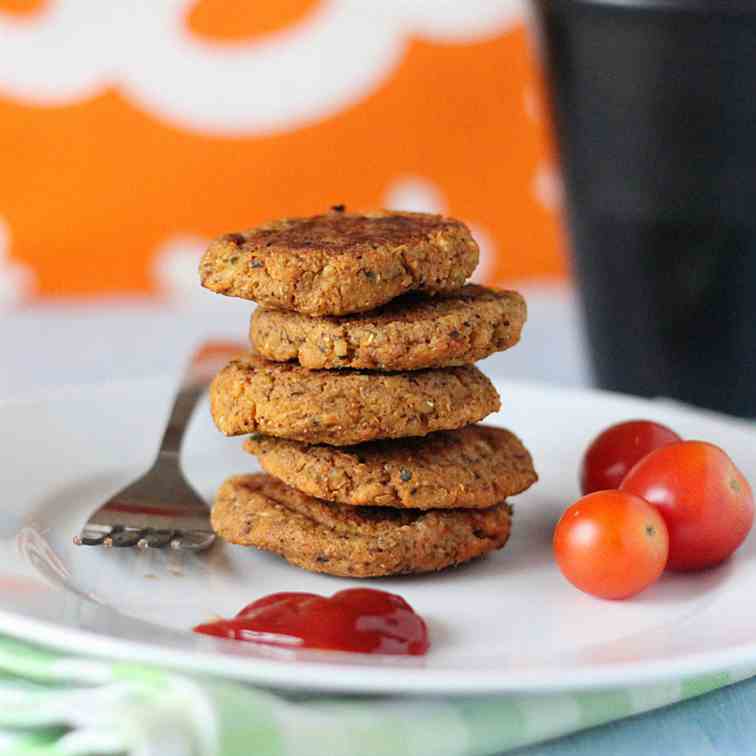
(309, 676)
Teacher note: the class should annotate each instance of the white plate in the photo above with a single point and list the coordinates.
(505, 623)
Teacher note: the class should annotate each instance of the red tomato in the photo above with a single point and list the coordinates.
(704, 499)
(611, 544)
(614, 451)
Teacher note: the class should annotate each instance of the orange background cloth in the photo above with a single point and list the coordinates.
(128, 141)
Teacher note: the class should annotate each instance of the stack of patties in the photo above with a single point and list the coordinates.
(362, 395)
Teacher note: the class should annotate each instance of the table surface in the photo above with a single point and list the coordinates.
(46, 346)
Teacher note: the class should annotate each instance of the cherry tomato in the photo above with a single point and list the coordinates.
(611, 544)
(614, 451)
(704, 499)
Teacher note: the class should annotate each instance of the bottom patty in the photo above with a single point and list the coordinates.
(261, 511)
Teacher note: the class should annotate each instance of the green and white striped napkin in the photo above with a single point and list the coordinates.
(56, 705)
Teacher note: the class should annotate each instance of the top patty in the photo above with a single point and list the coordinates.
(340, 262)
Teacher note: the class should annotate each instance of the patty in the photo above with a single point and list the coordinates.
(261, 511)
(473, 467)
(340, 262)
(413, 332)
(252, 394)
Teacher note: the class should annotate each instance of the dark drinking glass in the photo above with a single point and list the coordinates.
(654, 110)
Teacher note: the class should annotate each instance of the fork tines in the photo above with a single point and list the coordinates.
(119, 536)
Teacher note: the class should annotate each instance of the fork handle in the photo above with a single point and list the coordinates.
(207, 359)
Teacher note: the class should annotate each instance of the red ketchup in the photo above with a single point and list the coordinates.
(359, 619)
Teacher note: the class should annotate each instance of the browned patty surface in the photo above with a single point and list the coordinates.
(252, 394)
(413, 332)
(261, 511)
(340, 262)
(476, 466)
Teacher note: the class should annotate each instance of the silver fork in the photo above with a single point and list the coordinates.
(161, 508)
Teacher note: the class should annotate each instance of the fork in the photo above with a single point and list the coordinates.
(161, 509)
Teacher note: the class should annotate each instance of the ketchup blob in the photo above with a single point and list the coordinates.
(362, 620)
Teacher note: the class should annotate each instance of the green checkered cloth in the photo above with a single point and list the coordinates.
(56, 705)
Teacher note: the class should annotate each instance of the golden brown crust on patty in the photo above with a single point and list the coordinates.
(339, 262)
(477, 467)
(252, 394)
(411, 333)
(260, 511)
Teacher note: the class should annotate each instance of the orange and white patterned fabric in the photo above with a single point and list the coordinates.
(132, 131)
